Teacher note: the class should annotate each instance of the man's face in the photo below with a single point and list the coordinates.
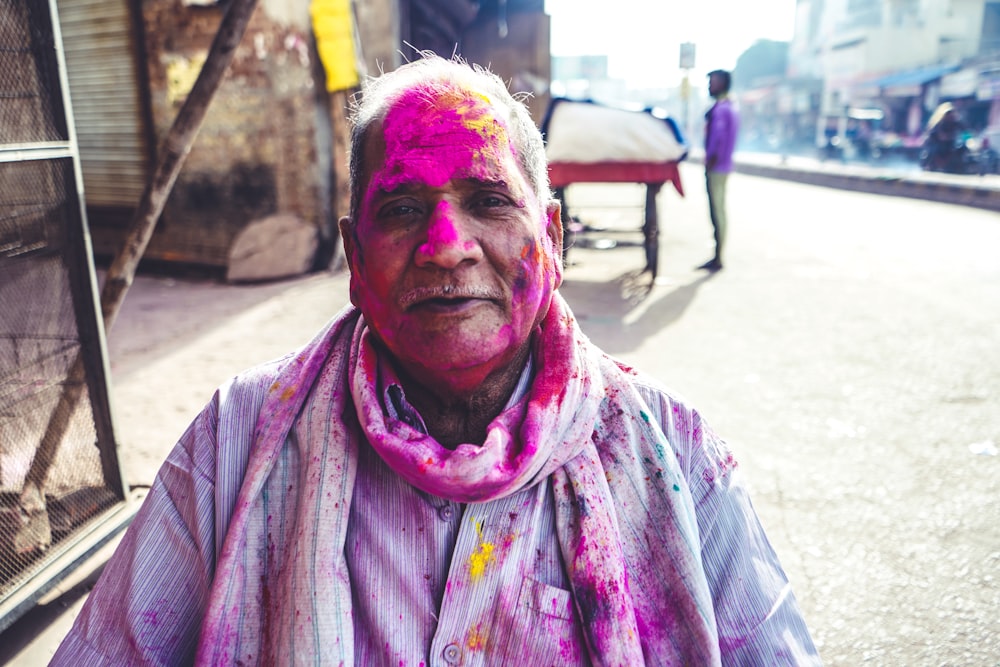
(453, 258)
(714, 85)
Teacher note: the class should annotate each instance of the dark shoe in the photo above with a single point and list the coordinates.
(713, 265)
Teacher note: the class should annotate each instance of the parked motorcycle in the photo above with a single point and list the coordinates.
(987, 156)
(950, 146)
(964, 155)
(953, 157)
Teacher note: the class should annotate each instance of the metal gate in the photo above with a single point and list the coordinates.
(61, 490)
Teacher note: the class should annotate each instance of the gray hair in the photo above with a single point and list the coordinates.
(436, 74)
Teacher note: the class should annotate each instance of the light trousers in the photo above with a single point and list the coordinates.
(715, 183)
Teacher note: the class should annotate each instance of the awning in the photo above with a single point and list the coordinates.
(962, 83)
(908, 82)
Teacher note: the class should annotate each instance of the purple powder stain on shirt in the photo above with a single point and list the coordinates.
(149, 617)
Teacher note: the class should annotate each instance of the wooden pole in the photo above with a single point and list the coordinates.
(34, 532)
(174, 151)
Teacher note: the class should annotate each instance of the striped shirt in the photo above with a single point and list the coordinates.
(404, 546)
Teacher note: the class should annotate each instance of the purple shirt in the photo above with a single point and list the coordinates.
(721, 127)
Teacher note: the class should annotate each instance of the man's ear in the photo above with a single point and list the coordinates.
(346, 226)
(554, 230)
(350, 246)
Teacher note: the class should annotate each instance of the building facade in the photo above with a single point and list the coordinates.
(272, 142)
(890, 63)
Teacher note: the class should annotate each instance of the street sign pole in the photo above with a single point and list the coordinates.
(687, 64)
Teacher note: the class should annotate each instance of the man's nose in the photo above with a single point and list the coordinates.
(449, 241)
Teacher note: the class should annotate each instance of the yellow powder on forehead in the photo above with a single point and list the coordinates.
(477, 113)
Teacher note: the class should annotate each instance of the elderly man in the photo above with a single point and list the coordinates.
(450, 473)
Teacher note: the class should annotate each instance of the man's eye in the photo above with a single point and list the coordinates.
(491, 201)
(398, 210)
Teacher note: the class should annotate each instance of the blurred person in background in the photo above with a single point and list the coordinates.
(722, 124)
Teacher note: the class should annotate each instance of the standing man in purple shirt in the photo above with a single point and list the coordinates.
(450, 473)
(722, 124)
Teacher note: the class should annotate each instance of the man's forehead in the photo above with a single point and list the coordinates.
(448, 108)
(467, 102)
(435, 135)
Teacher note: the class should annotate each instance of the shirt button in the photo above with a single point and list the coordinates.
(452, 654)
(446, 512)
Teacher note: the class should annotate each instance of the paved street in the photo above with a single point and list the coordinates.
(848, 352)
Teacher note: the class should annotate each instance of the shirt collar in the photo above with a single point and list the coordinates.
(396, 406)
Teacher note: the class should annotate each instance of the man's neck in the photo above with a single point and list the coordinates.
(455, 415)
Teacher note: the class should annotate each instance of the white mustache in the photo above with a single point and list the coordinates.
(420, 294)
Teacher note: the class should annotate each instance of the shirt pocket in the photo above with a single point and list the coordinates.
(542, 628)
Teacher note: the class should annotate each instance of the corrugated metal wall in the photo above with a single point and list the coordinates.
(101, 61)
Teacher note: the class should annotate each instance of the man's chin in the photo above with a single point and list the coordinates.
(451, 356)
(451, 359)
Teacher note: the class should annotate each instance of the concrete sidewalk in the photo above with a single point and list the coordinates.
(893, 179)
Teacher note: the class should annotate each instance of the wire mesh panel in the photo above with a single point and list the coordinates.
(30, 101)
(59, 473)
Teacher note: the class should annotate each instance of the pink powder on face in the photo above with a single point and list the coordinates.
(450, 135)
(436, 146)
(442, 230)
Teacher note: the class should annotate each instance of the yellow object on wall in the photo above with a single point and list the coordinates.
(181, 75)
(333, 26)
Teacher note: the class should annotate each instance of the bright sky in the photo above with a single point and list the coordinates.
(642, 37)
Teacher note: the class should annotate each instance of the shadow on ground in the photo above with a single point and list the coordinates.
(621, 313)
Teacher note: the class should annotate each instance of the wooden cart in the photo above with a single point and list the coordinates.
(587, 142)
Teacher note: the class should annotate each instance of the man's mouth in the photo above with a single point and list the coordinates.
(446, 297)
(447, 305)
